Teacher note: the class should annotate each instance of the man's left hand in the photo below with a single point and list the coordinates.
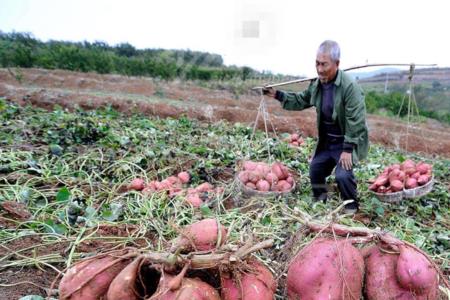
(346, 160)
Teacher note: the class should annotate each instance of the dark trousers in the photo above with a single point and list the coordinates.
(323, 163)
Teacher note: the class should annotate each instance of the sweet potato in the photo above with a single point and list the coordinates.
(251, 185)
(194, 199)
(381, 180)
(137, 184)
(90, 279)
(271, 178)
(254, 176)
(204, 187)
(190, 289)
(123, 285)
(382, 277)
(423, 179)
(373, 187)
(263, 169)
(262, 185)
(202, 235)
(184, 177)
(243, 176)
(276, 169)
(396, 185)
(414, 271)
(257, 284)
(407, 164)
(249, 165)
(410, 183)
(326, 269)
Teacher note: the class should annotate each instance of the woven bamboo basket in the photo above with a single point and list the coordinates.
(390, 197)
(420, 190)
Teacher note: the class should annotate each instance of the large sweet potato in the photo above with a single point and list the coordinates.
(202, 235)
(326, 269)
(90, 279)
(190, 289)
(258, 284)
(388, 277)
(123, 285)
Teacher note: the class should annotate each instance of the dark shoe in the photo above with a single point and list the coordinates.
(351, 208)
(350, 211)
(323, 197)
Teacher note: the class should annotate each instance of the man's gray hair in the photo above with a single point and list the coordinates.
(332, 48)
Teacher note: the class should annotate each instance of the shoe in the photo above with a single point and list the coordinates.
(351, 208)
(323, 197)
(350, 211)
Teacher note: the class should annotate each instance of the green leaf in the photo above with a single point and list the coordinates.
(57, 228)
(267, 220)
(205, 210)
(62, 195)
(56, 149)
(379, 210)
(113, 214)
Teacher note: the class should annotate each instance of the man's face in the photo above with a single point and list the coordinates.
(326, 68)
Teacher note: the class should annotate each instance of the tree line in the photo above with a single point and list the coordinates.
(23, 50)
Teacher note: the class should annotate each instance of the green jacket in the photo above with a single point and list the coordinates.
(349, 110)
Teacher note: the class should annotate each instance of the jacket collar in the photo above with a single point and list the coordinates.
(337, 81)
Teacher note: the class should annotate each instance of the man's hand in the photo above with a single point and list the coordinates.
(269, 91)
(346, 160)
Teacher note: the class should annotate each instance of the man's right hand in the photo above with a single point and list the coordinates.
(269, 91)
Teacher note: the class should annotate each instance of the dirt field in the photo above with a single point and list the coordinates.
(45, 88)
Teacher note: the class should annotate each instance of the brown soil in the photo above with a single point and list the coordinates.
(45, 88)
(16, 282)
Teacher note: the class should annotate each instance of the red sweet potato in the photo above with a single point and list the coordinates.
(90, 279)
(251, 185)
(123, 285)
(190, 289)
(382, 278)
(423, 179)
(410, 183)
(258, 284)
(396, 185)
(271, 178)
(249, 165)
(137, 184)
(243, 176)
(262, 185)
(202, 235)
(407, 164)
(204, 187)
(326, 269)
(194, 199)
(414, 271)
(184, 177)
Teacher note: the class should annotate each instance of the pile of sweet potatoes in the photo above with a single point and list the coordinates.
(263, 177)
(172, 184)
(407, 175)
(176, 186)
(130, 275)
(329, 268)
(294, 140)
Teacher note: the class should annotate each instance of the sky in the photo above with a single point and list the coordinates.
(281, 36)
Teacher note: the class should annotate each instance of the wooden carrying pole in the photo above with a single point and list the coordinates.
(348, 69)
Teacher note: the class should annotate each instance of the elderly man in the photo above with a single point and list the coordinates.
(341, 122)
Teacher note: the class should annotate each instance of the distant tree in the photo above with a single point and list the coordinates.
(125, 49)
